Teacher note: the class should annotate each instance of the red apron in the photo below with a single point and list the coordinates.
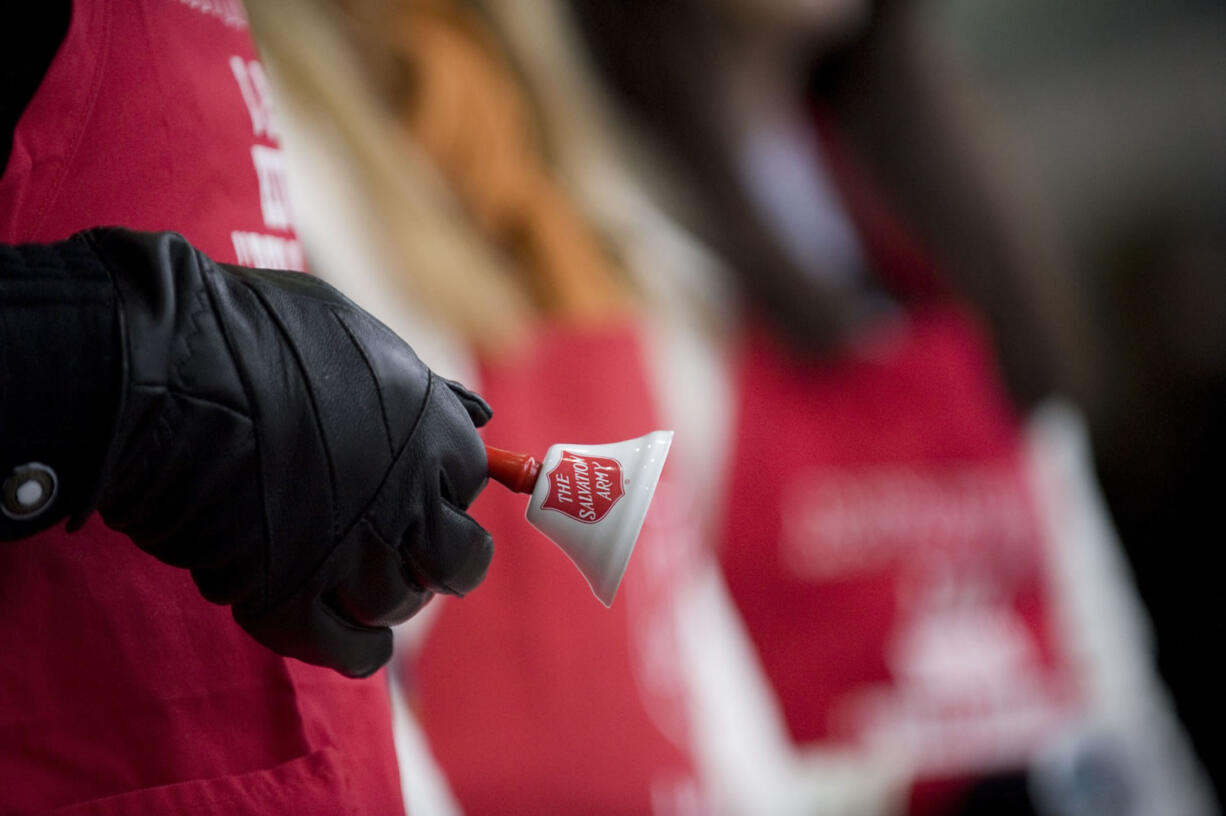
(121, 689)
(883, 551)
(880, 541)
(535, 698)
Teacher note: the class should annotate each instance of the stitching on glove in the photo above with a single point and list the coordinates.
(426, 401)
(377, 497)
(412, 570)
(387, 428)
(405, 573)
(194, 329)
(253, 408)
(169, 415)
(287, 338)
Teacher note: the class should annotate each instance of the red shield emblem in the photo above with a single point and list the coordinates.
(584, 487)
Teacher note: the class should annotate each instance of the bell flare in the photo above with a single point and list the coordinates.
(592, 500)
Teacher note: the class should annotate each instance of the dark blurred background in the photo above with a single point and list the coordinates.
(1123, 103)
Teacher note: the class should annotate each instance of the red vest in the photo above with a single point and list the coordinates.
(121, 689)
(536, 698)
(881, 543)
(885, 555)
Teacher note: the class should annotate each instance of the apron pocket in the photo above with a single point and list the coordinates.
(306, 786)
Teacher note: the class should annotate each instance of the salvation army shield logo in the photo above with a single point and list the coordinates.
(584, 487)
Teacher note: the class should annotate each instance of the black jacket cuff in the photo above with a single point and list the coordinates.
(60, 374)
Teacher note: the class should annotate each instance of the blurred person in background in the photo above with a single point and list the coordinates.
(987, 626)
(803, 260)
(1124, 105)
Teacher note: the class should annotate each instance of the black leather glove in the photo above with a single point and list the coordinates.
(288, 449)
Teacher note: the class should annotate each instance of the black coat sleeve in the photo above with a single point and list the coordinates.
(58, 377)
(59, 381)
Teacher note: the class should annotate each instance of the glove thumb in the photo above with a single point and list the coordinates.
(479, 410)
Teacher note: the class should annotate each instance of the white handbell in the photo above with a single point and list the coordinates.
(590, 500)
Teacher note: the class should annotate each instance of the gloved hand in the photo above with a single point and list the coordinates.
(288, 449)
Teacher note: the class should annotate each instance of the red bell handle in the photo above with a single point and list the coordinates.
(516, 471)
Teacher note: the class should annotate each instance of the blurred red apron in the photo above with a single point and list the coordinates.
(535, 698)
(883, 551)
(881, 543)
(121, 689)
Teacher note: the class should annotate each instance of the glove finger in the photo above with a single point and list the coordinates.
(453, 556)
(457, 450)
(306, 628)
(479, 411)
(377, 592)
